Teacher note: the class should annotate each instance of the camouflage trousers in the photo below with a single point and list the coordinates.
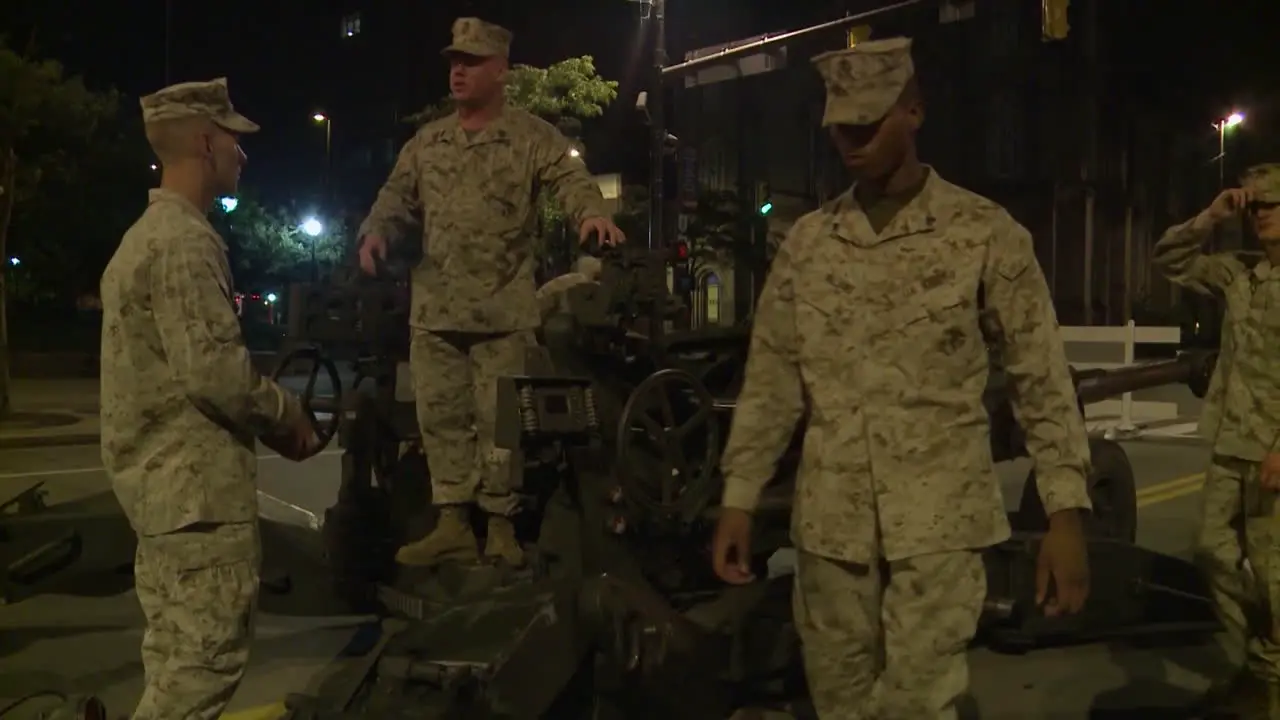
(888, 642)
(198, 589)
(455, 385)
(1238, 550)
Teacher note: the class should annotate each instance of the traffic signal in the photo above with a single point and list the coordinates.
(764, 199)
(1053, 19)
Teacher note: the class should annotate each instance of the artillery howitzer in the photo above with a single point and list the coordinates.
(620, 425)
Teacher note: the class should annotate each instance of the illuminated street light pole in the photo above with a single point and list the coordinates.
(312, 228)
(1221, 126)
(328, 147)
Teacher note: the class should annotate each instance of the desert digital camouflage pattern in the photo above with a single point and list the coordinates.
(1241, 418)
(1241, 415)
(455, 380)
(849, 621)
(473, 36)
(473, 198)
(1233, 499)
(198, 591)
(181, 400)
(877, 337)
(1263, 181)
(881, 334)
(865, 81)
(552, 294)
(209, 99)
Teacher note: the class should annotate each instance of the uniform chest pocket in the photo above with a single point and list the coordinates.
(922, 322)
(939, 321)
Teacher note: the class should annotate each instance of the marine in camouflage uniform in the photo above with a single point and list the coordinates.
(869, 322)
(474, 308)
(181, 407)
(1237, 543)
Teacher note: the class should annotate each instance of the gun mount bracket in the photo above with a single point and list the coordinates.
(672, 413)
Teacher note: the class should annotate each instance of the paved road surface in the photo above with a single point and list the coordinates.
(91, 643)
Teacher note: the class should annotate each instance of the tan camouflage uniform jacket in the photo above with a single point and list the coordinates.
(181, 400)
(1241, 414)
(475, 200)
(877, 337)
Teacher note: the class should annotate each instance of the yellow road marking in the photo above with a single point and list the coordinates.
(1170, 490)
(262, 712)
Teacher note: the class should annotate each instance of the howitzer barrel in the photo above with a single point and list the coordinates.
(1096, 385)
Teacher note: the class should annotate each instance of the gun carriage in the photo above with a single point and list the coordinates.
(620, 423)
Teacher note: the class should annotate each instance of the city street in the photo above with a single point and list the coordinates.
(90, 643)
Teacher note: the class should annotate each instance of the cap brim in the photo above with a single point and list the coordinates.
(237, 123)
(471, 50)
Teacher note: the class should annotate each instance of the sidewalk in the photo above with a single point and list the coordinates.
(48, 413)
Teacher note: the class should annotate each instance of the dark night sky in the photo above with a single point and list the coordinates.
(1197, 57)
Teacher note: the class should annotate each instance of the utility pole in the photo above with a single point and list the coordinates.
(658, 124)
(168, 29)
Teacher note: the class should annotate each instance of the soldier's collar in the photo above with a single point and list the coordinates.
(498, 130)
(168, 196)
(919, 215)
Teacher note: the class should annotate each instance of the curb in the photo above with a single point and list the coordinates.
(44, 441)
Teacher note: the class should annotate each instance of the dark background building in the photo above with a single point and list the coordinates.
(1095, 142)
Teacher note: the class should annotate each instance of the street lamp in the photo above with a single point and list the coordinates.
(312, 228)
(327, 121)
(229, 204)
(1230, 121)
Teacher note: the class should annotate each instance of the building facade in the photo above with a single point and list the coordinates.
(1072, 150)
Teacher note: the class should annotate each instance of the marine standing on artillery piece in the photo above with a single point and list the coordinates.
(181, 407)
(869, 322)
(470, 179)
(1242, 417)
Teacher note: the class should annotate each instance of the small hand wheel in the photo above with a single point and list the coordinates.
(313, 404)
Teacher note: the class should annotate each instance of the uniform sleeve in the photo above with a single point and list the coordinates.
(200, 333)
(398, 207)
(1181, 257)
(567, 178)
(772, 399)
(1043, 394)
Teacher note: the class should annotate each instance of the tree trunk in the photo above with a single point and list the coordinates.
(8, 174)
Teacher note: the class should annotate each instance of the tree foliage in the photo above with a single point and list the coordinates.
(269, 248)
(562, 93)
(60, 171)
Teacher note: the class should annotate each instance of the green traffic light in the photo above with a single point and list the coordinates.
(765, 208)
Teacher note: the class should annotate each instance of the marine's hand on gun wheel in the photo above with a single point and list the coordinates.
(297, 440)
(605, 231)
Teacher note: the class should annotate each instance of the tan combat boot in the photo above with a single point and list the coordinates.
(451, 540)
(502, 543)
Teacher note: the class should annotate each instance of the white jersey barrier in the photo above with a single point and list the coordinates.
(1123, 416)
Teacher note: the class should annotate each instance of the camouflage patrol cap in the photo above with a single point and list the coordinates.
(196, 99)
(473, 36)
(1264, 181)
(865, 81)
